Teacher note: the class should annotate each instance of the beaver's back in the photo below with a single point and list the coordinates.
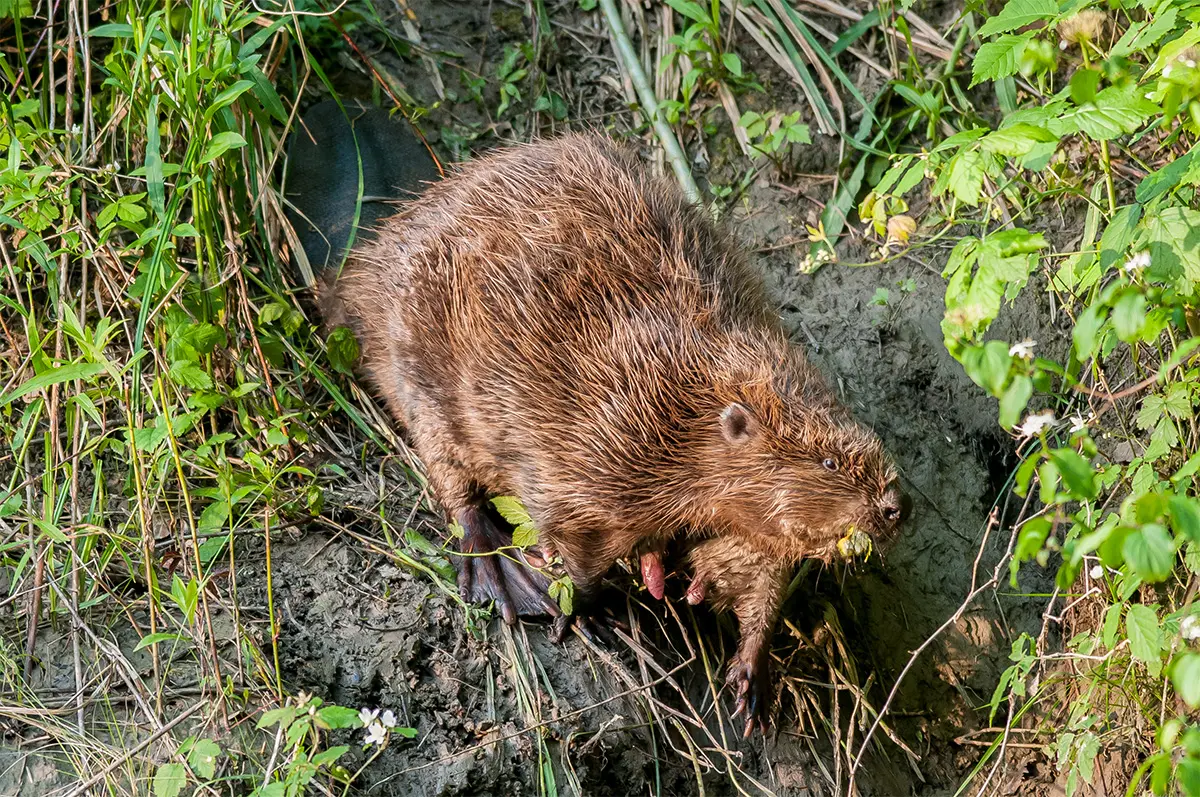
(557, 306)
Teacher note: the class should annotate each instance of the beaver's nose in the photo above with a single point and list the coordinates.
(896, 506)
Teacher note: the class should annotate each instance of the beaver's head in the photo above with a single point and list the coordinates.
(804, 479)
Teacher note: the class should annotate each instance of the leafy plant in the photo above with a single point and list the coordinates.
(1123, 530)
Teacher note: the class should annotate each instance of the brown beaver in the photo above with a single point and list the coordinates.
(552, 323)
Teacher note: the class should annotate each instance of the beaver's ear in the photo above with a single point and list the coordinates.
(738, 424)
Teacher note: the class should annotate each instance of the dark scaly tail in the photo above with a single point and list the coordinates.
(344, 164)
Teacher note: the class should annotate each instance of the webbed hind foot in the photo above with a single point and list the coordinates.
(492, 569)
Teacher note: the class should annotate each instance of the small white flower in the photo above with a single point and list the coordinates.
(1138, 262)
(376, 734)
(1035, 423)
(366, 716)
(1062, 45)
(1097, 572)
(1167, 70)
(1190, 63)
(1024, 349)
(1078, 424)
(388, 719)
(74, 130)
(1189, 627)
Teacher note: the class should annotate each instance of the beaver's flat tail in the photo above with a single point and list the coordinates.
(329, 151)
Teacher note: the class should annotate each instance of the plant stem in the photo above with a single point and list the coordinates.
(650, 103)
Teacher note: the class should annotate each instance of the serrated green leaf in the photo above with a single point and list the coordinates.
(1114, 111)
(998, 58)
(1145, 636)
(1018, 14)
(525, 535)
(343, 350)
(1150, 551)
(169, 780)
(203, 758)
(966, 177)
(191, 375)
(1015, 140)
(512, 510)
(1175, 244)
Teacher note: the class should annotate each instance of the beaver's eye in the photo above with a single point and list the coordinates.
(829, 465)
(891, 514)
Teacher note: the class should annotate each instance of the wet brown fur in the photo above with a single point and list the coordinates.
(554, 324)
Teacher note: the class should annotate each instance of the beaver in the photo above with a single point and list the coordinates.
(552, 323)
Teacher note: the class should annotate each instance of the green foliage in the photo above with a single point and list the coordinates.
(702, 46)
(1130, 288)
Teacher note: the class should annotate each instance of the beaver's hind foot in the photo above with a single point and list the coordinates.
(492, 569)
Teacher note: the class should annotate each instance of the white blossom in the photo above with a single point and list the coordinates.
(1097, 572)
(1024, 349)
(376, 734)
(1035, 423)
(1138, 262)
(1189, 627)
(1078, 424)
(388, 719)
(367, 715)
(1167, 70)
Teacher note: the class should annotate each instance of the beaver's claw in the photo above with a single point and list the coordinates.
(597, 627)
(752, 690)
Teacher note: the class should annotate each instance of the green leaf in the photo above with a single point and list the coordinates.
(512, 510)
(281, 716)
(966, 177)
(1087, 327)
(1016, 140)
(1013, 402)
(525, 535)
(689, 9)
(1113, 112)
(154, 639)
(1076, 473)
(339, 717)
(1112, 622)
(329, 756)
(1185, 516)
(732, 63)
(998, 58)
(65, 373)
(1175, 244)
(1018, 14)
(343, 350)
(1185, 675)
(220, 144)
(169, 780)
(1083, 86)
(1117, 237)
(203, 758)
(1129, 316)
(190, 374)
(1145, 636)
(1151, 552)
(1188, 773)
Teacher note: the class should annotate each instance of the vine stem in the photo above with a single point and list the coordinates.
(650, 103)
